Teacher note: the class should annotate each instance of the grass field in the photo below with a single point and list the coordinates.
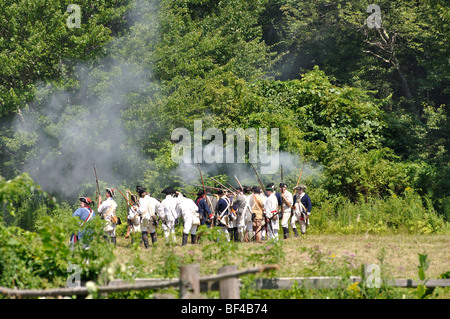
(398, 252)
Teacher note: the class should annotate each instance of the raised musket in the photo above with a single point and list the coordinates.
(301, 172)
(221, 185)
(281, 173)
(238, 182)
(209, 187)
(96, 180)
(235, 189)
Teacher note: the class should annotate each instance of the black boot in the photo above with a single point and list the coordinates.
(236, 234)
(113, 240)
(286, 232)
(184, 240)
(295, 232)
(153, 237)
(145, 238)
(193, 237)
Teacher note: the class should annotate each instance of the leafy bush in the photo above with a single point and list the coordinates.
(23, 201)
(40, 259)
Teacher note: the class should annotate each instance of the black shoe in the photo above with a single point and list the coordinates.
(295, 232)
(193, 237)
(113, 240)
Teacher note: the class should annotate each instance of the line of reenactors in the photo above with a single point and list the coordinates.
(244, 214)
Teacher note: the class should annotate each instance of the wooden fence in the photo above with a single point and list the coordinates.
(227, 282)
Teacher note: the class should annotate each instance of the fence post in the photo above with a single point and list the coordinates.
(189, 279)
(229, 288)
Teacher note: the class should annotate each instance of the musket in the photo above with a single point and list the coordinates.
(281, 173)
(129, 205)
(235, 189)
(209, 187)
(268, 221)
(128, 202)
(303, 166)
(238, 182)
(221, 184)
(96, 180)
(259, 179)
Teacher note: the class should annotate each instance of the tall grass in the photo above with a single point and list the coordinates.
(408, 213)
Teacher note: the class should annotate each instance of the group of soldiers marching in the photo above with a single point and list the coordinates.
(245, 214)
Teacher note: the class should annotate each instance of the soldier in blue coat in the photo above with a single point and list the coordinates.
(206, 216)
(85, 213)
(301, 209)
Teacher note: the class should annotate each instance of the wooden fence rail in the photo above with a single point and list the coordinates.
(227, 281)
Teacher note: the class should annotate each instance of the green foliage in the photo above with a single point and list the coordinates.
(36, 44)
(406, 213)
(23, 201)
(40, 259)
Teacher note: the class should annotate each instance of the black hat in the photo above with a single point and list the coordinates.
(220, 191)
(283, 185)
(256, 189)
(168, 190)
(200, 192)
(140, 189)
(270, 187)
(86, 200)
(110, 191)
(133, 198)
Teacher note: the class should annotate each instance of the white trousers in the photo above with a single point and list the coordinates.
(189, 227)
(285, 218)
(296, 219)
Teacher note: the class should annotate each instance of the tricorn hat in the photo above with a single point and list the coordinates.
(200, 192)
(86, 200)
(110, 191)
(283, 185)
(141, 190)
(270, 187)
(168, 190)
(303, 187)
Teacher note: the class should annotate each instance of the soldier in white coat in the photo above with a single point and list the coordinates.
(188, 210)
(271, 212)
(107, 211)
(149, 209)
(169, 214)
(287, 201)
